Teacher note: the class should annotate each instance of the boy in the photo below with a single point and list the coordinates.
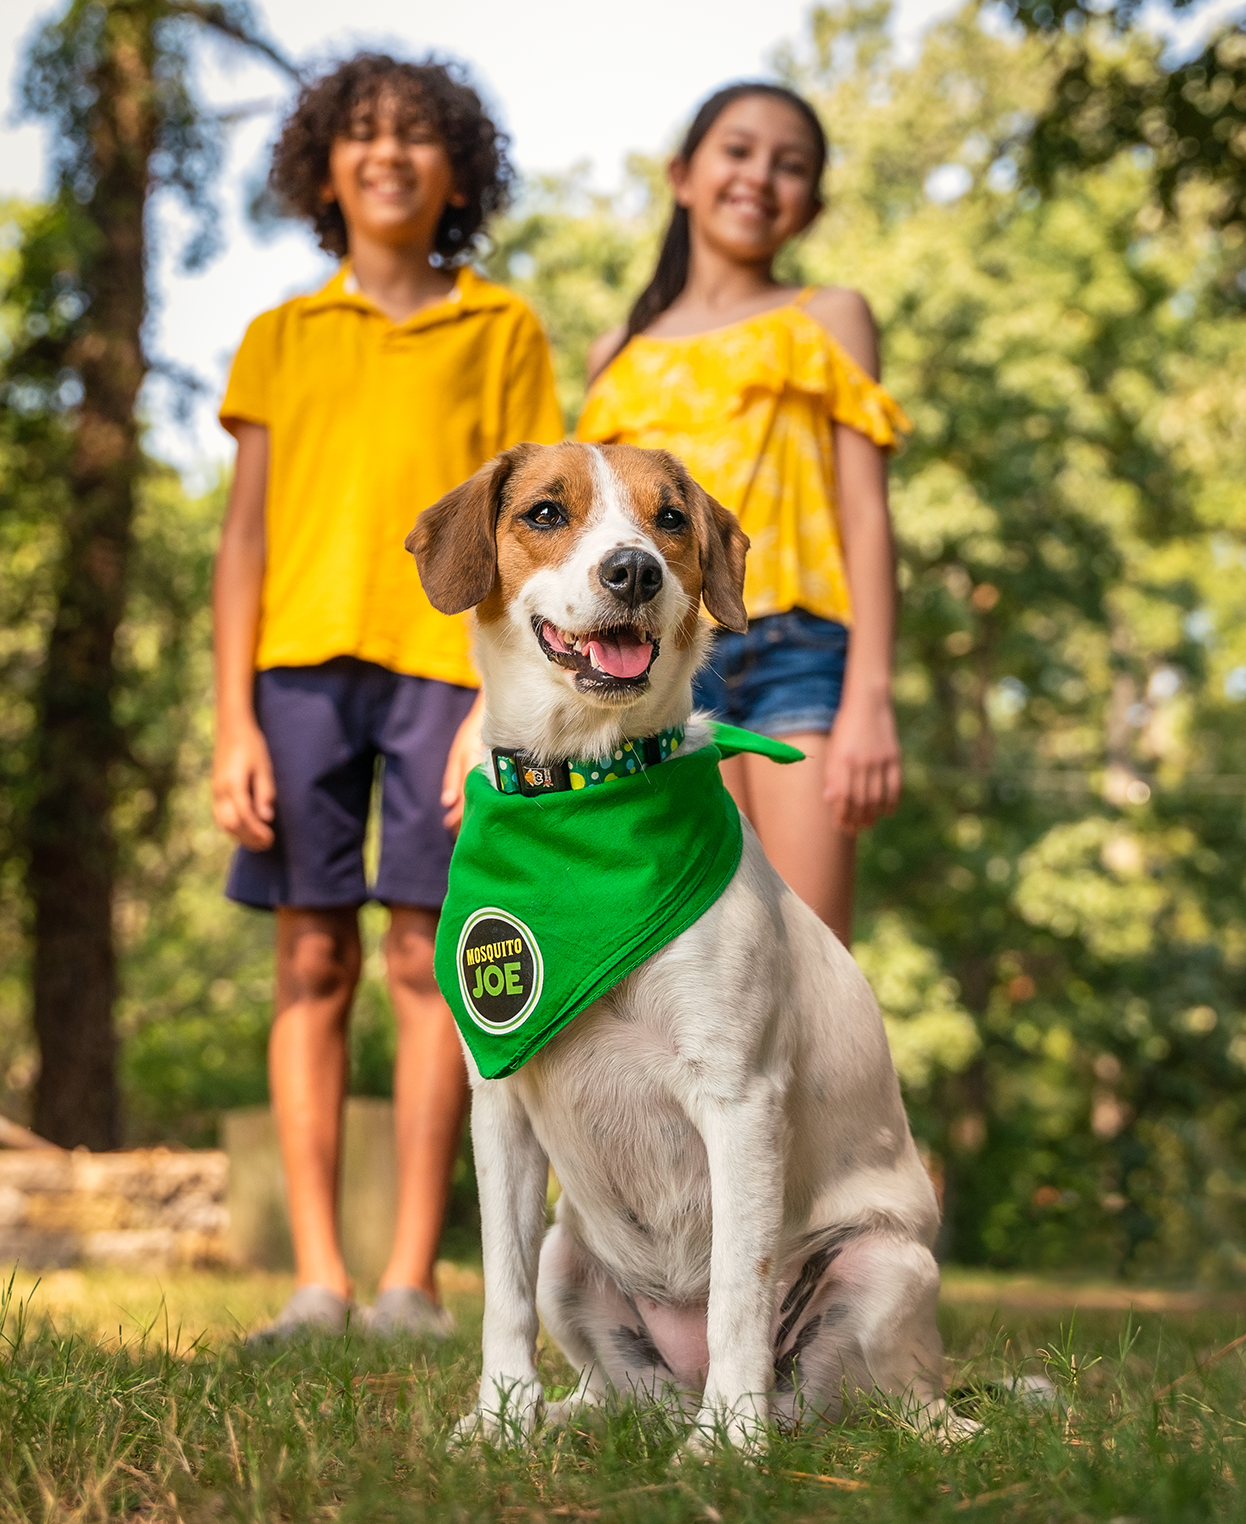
(354, 409)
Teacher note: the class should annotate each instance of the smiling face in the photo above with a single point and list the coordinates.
(587, 566)
(750, 185)
(600, 558)
(390, 174)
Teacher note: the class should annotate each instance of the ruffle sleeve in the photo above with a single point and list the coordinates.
(856, 399)
(692, 386)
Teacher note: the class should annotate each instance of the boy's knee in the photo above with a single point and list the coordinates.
(319, 962)
(409, 961)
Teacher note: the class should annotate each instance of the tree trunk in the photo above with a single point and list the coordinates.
(79, 746)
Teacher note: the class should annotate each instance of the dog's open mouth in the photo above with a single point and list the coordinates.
(620, 655)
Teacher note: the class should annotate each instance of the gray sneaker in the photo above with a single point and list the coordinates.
(311, 1310)
(406, 1310)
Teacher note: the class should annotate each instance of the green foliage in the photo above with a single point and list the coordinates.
(1114, 91)
(1189, 122)
(170, 1426)
(928, 1028)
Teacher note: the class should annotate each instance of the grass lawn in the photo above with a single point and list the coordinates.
(128, 1396)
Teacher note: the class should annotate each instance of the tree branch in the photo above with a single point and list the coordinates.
(224, 19)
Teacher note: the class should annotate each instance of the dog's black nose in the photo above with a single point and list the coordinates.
(633, 576)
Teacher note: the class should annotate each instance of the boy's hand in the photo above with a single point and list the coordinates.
(243, 794)
(464, 755)
(863, 765)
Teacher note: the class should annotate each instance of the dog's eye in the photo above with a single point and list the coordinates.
(546, 515)
(670, 519)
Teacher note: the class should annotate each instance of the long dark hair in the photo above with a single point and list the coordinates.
(671, 275)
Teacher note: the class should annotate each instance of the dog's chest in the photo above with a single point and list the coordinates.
(603, 1102)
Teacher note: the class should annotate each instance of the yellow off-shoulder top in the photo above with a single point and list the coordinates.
(749, 409)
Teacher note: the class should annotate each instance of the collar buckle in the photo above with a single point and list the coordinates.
(515, 772)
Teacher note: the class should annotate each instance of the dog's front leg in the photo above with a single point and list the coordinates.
(744, 1143)
(512, 1173)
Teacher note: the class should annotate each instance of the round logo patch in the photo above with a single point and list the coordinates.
(500, 970)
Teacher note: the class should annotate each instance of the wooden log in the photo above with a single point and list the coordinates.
(146, 1209)
(14, 1136)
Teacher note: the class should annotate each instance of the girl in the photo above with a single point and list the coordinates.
(353, 409)
(770, 395)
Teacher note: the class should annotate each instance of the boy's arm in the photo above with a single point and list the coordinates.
(243, 795)
(465, 753)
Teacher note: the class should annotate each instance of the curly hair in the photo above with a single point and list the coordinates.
(436, 94)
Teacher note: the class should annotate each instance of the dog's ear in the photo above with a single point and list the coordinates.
(454, 542)
(723, 548)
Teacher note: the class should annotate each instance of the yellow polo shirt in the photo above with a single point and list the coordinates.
(369, 422)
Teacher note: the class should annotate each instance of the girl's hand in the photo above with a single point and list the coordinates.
(244, 796)
(464, 755)
(863, 768)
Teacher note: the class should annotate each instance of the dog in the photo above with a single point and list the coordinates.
(745, 1226)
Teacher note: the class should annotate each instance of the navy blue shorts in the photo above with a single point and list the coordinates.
(326, 727)
(782, 677)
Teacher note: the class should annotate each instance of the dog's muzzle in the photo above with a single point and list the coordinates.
(612, 660)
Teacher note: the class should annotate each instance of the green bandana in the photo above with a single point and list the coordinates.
(553, 899)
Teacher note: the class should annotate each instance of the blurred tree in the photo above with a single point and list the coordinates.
(1114, 90)
(111, 78)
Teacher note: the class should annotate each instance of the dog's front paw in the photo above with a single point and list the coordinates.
(714, 1428)
(506, 1413)
(570, 1410)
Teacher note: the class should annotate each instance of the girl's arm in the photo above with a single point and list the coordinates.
(863, 767)
(243, 795)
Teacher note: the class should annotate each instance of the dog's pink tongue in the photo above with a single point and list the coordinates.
(620, 653)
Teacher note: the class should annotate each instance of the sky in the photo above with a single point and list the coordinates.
(570, 80)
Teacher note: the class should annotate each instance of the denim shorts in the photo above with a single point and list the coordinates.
(783, 676)
(327, 727)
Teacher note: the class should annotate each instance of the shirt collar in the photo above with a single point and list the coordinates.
(470, 294)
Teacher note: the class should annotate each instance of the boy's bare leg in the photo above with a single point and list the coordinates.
(784, 803)
(430, 1097)
(318, 963)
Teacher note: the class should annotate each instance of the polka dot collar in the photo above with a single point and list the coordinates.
(517, 773)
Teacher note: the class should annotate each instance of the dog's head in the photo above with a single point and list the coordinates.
(587, 566)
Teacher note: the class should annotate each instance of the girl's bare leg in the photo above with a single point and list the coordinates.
(318, 962)
(430, 1097)
(784, 804)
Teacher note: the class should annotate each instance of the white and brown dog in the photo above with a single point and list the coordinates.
(744, 1224)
